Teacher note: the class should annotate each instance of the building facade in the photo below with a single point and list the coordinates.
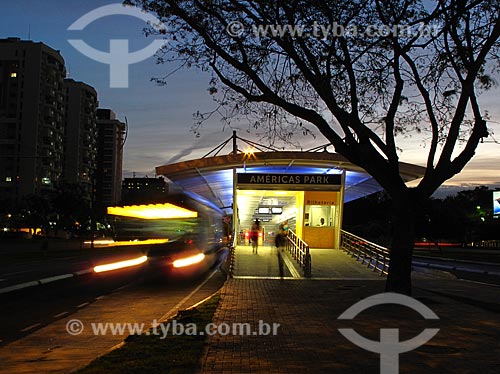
(32, 118)
(111, 138)
(144, 190)
(80, 135)
(49, 128)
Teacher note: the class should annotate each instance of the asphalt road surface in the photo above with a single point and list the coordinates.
(154, 294)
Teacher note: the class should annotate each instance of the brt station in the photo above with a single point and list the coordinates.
(303, 192)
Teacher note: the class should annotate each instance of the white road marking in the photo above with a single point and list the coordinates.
(61, 314)
(478, 282)
(19, 286)
(31, 327)
(84, 271)
(17, 272)
(82, 305)
(55, 278)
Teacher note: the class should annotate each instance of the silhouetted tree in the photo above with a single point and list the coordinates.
(70, 205)
(359, 89)
(34, 212)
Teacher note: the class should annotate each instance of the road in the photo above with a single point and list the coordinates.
(25, 263)
(477, 271)
(35, 333)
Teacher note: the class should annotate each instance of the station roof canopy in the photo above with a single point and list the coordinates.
(212, 176)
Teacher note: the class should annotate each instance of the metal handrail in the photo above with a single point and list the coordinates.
(373, 255)
(486, 243)
(299, 250)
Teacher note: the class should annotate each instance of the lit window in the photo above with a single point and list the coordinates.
(13, 74)
(8, 179)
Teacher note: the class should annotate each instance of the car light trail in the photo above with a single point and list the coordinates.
(152, 211)
(188, 260)
(112, 243)
(120, 264)
(100, 242)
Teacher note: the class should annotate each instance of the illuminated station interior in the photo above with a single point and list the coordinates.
(307, 190)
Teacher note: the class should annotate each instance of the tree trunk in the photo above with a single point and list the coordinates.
(404, 217)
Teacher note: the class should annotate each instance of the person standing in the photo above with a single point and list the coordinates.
(285, 228)
(280, 239)
(280, 242)
(255, 236)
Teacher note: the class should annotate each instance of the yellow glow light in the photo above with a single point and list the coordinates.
(189, 260)
(280, 192)
(112, 243)
(141, 242)
(120, 264)
(249, 153)
(247, 192)
(152, 211)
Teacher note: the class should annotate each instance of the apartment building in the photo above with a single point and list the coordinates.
(49, 128)
(111, 138)
(80, 134)
(32, 117)
(144, 190)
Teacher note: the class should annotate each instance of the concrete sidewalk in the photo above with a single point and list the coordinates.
(307, 339)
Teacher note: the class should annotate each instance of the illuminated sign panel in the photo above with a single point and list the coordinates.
(290, 181)
(496, 202)
(276, 210)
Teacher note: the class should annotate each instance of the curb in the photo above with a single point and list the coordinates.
(43, 281)
(456, 260)
(453, 268)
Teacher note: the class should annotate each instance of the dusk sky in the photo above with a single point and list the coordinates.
(160, 117)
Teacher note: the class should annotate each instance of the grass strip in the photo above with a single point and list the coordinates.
(150, 353)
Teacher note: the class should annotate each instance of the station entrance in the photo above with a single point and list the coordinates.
(304, 206)
(309, 205)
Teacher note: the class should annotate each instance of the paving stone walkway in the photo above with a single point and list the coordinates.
(305, 316)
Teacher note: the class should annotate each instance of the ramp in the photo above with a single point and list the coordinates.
(326, 264)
